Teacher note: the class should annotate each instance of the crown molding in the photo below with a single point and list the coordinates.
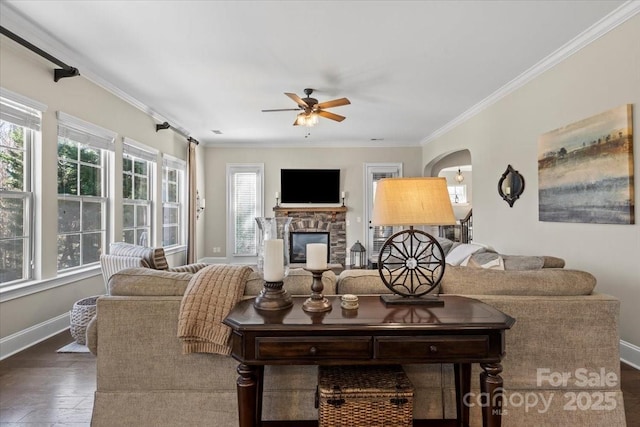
(591, 34)
(307, 143)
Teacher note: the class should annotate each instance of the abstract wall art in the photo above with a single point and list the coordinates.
(585, 170)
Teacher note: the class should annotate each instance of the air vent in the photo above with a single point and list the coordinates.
(216, 131)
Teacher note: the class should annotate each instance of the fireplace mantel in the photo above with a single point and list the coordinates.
(334, 210)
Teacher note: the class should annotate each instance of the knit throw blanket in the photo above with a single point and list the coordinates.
(208, 299)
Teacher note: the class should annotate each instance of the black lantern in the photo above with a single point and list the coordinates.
(357, 255)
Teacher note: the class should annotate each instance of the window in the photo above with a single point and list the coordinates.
(173, 175)
(138, 170)
(377, 234)
(244, 195)
(19, 127)
(458, 193)
(83, 174)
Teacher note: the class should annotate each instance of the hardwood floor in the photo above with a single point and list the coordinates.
(39, 387)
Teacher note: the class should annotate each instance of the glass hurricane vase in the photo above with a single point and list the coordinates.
(273, 263)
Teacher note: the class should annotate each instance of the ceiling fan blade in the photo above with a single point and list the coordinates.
(297, 99)
(334, 103)
(281, 109)
(295, 123)
(328, 115)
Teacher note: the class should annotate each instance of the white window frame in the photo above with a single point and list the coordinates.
(375, 235)
(232, 169)
(86, 134)
(180, 166)
(21, 111)
(137, 152)
(460, 190)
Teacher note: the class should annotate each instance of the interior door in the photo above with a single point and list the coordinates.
(376, 235)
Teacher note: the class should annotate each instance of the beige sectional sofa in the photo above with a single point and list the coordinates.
(561, 366)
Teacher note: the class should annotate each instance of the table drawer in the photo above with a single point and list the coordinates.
(432, 347)
(313, 348)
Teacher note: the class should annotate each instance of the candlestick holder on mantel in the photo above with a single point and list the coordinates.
(317, 302)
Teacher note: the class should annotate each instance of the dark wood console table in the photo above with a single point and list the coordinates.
(463, 332)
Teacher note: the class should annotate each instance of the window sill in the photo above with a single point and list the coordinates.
(171, 250)
(24, 289)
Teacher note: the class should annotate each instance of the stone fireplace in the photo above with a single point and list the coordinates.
(299, 241)
(331, 220)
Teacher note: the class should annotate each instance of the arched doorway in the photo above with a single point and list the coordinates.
(457, 168)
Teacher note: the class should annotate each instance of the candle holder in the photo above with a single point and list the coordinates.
(273, 263)
(343, 201)
(272, 297)
(277, 202)
(316, 302)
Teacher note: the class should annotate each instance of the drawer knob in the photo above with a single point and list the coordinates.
(313, 351)
(433, 349)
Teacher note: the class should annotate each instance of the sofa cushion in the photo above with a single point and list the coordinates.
(297, 282)
(153, 256)
(546, 281)
(361, 282)
(148, 282)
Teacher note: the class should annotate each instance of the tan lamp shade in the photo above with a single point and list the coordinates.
(412, 201)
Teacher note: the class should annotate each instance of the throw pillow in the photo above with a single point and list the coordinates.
(461, 252)
(522, 262)
(153, 256)
(446, 244)
(488, 260)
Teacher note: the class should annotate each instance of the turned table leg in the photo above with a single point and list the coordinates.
(463, 388)
(491, 388)
(249, 405)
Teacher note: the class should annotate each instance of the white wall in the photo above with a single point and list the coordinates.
(26, 317)
(603, 75)
(350, 161)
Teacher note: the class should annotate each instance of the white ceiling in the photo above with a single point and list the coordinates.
(408, 67)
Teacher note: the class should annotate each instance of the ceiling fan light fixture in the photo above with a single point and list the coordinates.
(307, 119)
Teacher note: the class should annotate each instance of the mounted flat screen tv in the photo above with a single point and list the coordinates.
(310, 185)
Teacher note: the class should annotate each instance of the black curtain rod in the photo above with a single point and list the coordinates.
(66, 71)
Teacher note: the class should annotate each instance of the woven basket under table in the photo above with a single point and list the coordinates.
(81, 314)
(372, 396)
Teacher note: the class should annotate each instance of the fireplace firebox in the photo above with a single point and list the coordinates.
(299, 241)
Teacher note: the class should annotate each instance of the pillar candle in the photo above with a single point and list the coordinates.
(277, 195)
(273, 260)
(343, 194)
(316, 256)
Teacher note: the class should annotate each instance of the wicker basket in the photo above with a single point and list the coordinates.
(81, 314)
(372, 396)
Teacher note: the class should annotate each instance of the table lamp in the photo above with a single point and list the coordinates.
(411, 262)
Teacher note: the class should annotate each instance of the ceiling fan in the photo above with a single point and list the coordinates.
(310, 108)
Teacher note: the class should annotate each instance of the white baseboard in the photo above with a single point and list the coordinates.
(630, 354)
(26, 338)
